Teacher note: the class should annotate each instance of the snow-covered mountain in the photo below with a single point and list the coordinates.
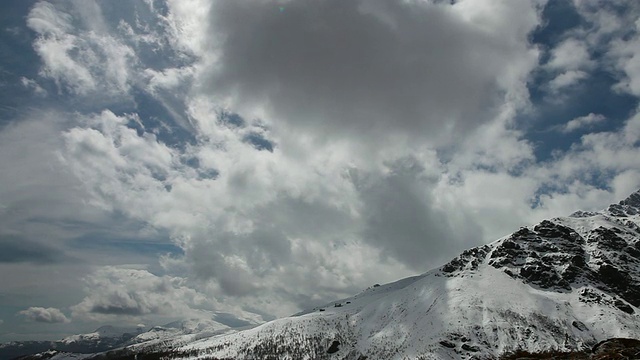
(102, 339)
(563, 284)
(111, 337)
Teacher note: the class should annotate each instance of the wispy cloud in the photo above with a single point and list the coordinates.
(581, 123)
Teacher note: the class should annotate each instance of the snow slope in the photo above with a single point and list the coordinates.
(563, 284)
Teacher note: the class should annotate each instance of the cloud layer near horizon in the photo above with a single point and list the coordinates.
(301, 155)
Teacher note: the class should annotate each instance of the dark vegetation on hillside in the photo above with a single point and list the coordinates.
(612, 349)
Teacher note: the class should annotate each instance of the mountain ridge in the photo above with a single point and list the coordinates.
(564, 284)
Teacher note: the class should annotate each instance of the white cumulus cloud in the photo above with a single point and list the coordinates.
(44, 315)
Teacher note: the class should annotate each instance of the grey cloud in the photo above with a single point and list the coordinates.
(44, 315)
(267, 249)
(401, 218)
(130, 292)
(120, 309)
(352, 67)
(230, 320)
(15, 249)
(215, 261)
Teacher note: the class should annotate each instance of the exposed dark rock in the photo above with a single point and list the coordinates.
(579, 325)
(470, 348)
(607, 238)
(633, 251)
(617, 210)
(590, 296)
(633, 200)
(505, 254)
(625, 348)
(511, 245)
(510, 273)
(627, 207)
(578, 260)
(583, 214)
(624, 306)
(543, 275)
(447, 344)
(550, 230)
(523, 234)
(620, 282)
(335, 346)
(469, 260)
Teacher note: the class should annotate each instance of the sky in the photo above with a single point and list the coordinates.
(241, 160)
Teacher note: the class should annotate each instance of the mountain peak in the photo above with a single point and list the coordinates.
(627, 207)
(632, 200)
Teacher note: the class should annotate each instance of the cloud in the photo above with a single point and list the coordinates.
(80, 60)
(571, 54)
(132, 295)
(14, 249)
(628, 61)
(54, 47)
(331, 146)
(571, 61)
(604, 41)
(33, 86)
(41, 203)
(350, 69)
(400, 217)
(44, 315)
(134, 292)
(582, 122)
(318, 218)
(612, 30)
(567, 79)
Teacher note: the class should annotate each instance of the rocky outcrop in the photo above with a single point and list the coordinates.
(617, 348)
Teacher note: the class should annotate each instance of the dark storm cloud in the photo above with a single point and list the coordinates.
(118, 309)
(14, 249)
(360, 66)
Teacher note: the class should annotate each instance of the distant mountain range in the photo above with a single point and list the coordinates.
(111, 337)
(565, 284)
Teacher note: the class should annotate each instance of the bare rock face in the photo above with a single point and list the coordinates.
(617, 348)
(627, 207)
(550, 256)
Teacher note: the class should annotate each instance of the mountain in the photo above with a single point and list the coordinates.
(564, 284)
(102, 339)
(111, 337)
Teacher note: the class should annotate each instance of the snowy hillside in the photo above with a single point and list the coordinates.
(563, 284)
